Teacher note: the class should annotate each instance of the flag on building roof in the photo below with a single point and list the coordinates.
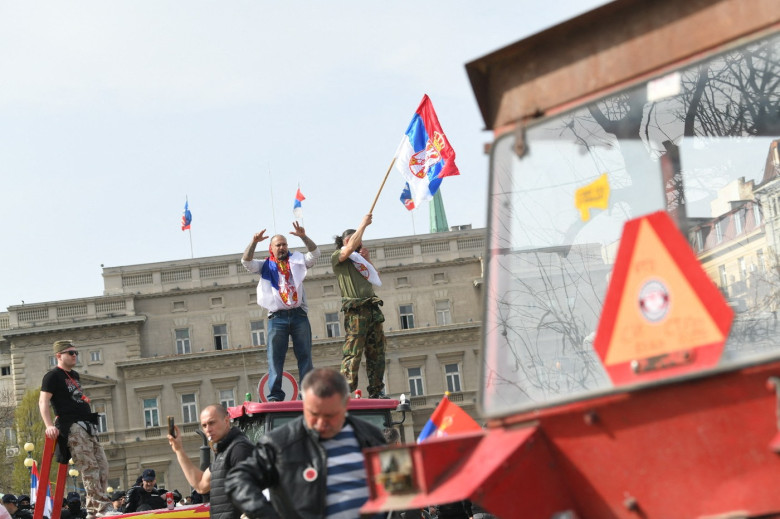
(424, 156)
(447, 419)
(406, 197)
(34, 479)
(186, 218)
(297, 209)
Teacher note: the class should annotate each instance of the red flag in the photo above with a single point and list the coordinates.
(447, 419)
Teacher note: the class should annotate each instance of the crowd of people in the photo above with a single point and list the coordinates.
(312, 466)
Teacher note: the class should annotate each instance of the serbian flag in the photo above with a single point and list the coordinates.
(447, 419)
(186, 218)
(34, 490)
(297, 209)
(406, 197)
(424, 156)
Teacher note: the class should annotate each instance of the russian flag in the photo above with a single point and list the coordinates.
(34, 490)
(186, 218)
(447, 419)
(424, 156)
(297, 209)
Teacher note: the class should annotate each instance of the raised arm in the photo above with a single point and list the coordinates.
(249, 253)
(355, 241)
(200, 480)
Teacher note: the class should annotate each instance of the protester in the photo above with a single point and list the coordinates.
(313, 460)
(4, 513)
(118, 499)
(23, 502)
(76, 426)
(73, 509)
(280, 291)
(362, 316)
(147, 496)
(231, 447)
(10, 502)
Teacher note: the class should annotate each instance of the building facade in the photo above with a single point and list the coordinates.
(168, 338)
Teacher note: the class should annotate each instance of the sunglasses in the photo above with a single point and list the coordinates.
(72, 352)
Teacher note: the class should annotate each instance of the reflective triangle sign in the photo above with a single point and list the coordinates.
(662, 316)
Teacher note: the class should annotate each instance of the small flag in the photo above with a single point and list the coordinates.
(447, 419)
(297, 209)
(406, 197)
(34, 477)
(186, 218)
(424, 156)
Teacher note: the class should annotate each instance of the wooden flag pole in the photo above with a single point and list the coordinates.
(383, 185)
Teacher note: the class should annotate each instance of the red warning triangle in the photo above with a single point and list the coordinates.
(662, 316)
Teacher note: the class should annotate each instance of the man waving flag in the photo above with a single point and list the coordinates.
(424, 156)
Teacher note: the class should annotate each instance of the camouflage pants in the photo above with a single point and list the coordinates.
(89, 458)
(363, 326)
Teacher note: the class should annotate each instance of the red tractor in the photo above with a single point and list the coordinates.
(631, 351)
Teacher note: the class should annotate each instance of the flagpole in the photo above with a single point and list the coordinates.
(271, 189)
(383, 185)
(192, 254)
(299, 190)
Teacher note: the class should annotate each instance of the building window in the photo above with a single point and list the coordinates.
(216, 301)
(438, 277)
(719, 231)
(724, 282)
(738, 222)
(102, 424)
(151, 413)
(328, 290)
(452, 372)
(742, 268)
(179, 306)
(415, 381)
(698, 240)
(52, 361)
(95, 356)
(332, 324)
(443, 313)
(5, 371)
(220, 337)
(257, 329)
(757, 214)
(407, 316)
(402, 281)
(183, 341)
(189, 408)
(227, 397)
(253, 298)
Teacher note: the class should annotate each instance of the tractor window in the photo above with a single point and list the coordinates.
(700, 143)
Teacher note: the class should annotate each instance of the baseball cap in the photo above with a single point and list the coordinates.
(9, 498)
(148, 475)
(23, 497)
(117, 495)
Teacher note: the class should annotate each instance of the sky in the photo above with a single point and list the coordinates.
(113, 113)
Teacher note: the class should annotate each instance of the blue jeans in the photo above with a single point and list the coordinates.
(283, 325)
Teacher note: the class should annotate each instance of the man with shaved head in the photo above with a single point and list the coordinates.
(280, 291)
(230, 446)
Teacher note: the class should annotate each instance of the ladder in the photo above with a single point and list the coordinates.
(43, 483)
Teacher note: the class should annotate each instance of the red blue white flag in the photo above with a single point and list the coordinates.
(424, 156)
(447, 419)
(186, 218)
(406, 197)
(34, 479)
(297, 209)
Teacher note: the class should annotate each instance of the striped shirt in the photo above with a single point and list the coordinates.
(347, 485)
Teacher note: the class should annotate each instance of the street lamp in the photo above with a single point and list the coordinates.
(28, 461)
(73, 473)
(110, 490)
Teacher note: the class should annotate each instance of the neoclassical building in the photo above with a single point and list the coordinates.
(169, 338)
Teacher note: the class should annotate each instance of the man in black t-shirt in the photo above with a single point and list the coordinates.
(76, 426)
